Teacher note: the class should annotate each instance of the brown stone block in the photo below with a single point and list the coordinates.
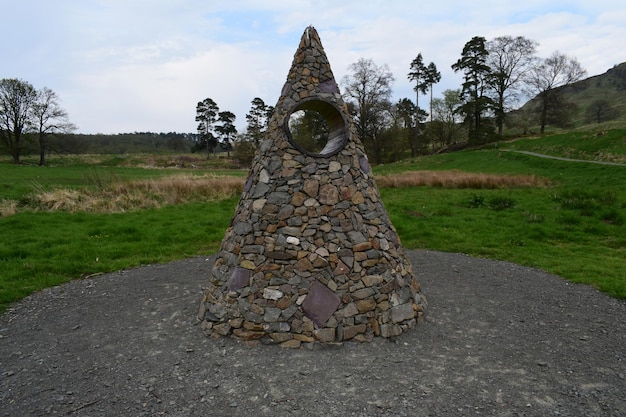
(311, 187)
(269, 267)
(291, 344)
(373, 324)
(296, 325)
(324, 209)
(284, 256)
(307, 325)
(328, 195)
(388, 287)
(222, 329)
(297, 199)
(365, 305)
(361, 247)
(360, 256)
(325, 335)
(341, 269)
(319, 262)
(304, 265)
(236, 322)
(372, 280)
(247, 264)
(370, 263)
(283, 303)
(363, 337)
(246, 335)
(350, 331)
(326, 227)
(281, 337)
(358, 198)
(303, 338)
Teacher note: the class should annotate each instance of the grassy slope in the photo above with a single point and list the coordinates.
(574, 228)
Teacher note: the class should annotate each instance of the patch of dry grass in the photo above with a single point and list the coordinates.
(459, 179)
(120, 196)
(139, 194)
(8, 208)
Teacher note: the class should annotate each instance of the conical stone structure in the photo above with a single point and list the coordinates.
(311, 255)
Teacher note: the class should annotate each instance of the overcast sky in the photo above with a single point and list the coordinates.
(142, 65)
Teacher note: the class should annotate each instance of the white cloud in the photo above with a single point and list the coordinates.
(122, 66)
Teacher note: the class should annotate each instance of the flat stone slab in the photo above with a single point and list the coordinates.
(498, 340)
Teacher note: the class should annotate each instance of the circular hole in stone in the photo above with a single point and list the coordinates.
(317, 128)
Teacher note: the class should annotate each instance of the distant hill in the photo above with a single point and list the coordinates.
(608, 90)
(610, 86)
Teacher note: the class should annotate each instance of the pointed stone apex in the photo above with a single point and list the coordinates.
(310, 72)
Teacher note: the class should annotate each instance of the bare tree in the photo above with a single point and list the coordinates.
(48, 118)
(16, 101)
(510, 59)
(547, 77)
(601, 110)
(368, 92)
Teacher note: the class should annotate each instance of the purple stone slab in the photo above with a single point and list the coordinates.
(320, 304)
(239, 278)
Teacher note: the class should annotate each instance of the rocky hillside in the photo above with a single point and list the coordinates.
(600, 99)
(609, 87)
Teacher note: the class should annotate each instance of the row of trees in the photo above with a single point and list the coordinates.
(217, 128)
(25, 109)
(497, 74)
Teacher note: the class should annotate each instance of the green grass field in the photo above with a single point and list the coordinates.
(575, 227)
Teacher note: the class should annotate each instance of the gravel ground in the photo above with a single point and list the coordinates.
(498, 340)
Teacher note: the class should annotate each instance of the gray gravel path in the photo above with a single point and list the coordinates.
(499, 340)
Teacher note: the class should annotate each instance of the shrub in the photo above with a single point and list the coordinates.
(501, 203)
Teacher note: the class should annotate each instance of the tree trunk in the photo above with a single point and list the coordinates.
(543, 117)
(14, 145)
(500, 115)
(417, 117)
(42, 150)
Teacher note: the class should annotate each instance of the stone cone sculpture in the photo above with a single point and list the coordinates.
(311, 255)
